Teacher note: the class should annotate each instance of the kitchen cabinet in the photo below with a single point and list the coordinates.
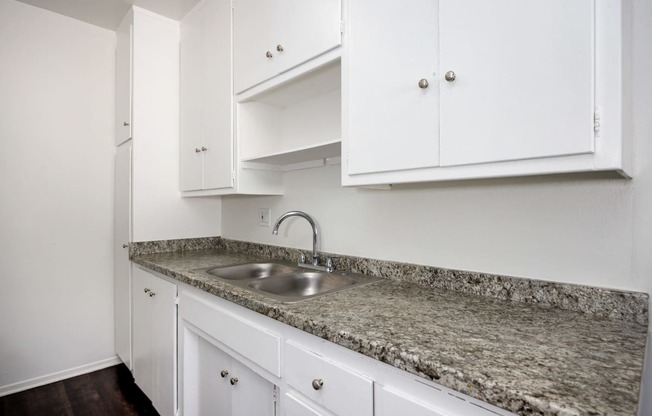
(482, 89)
(206, 104)
(123, 67)
(155, 339)
(272, 37)
(218, 384)
(122, 265)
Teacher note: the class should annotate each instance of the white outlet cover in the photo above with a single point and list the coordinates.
(265, 217)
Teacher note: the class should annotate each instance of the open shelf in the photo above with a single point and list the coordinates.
(317, 151)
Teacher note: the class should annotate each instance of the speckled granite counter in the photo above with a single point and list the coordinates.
(528, 359)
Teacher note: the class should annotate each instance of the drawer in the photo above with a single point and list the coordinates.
(336, 388)
(253, 342)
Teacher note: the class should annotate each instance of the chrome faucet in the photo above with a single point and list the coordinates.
(315, 257)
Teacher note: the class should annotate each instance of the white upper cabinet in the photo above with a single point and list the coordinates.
(392, 122)
(206, 103)
(523, 84)
(123, 67)
(271, 37)
(470, 89)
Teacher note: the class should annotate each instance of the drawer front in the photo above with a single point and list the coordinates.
(295, 407)
(341, 391)
(257, 344)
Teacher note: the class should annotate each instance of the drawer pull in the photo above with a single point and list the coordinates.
(234, 380)
(317, 383)
(224, 373)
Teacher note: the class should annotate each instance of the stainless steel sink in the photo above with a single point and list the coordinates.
(303, 284)
(284, 282)
(251, 271)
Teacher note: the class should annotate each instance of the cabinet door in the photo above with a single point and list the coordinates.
(271, 37)
(306, 29)
(190, 102)
(154, 338)
(523, 83)
(253, 37)
(123, 81)
(296, 407)
(207, 389)
(217, 93)
(390, 122)
(142, 332)
(250, 385)
(122, 265)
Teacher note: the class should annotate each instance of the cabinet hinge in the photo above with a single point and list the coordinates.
(341, 26)
(233, 4)
(176, 300)
(596, 121)
(178, 413)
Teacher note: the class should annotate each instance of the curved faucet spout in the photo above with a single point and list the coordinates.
(315, 256)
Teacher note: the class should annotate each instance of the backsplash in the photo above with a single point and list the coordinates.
(608, 303)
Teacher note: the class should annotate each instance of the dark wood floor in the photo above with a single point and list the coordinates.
(105, 392)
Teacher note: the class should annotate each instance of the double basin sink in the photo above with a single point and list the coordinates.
(285, 282)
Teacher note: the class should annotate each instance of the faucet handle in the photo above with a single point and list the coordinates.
(302, 258)
(329, 262)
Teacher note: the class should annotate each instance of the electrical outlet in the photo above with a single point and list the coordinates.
(265, 217)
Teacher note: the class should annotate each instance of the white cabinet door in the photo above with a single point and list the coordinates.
(155, 339)
(122, 265)
(523, 83)
(296, 407)
(271, 37)
(217, 95)
(123, 81)
(190, 102)
(206, 104)
(390, 123)
(214, 383)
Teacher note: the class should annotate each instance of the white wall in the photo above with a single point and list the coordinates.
(593, 230)
(56, 196)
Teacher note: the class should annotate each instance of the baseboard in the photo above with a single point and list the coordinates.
(58, 376)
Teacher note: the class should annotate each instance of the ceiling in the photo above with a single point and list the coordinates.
(109, 13)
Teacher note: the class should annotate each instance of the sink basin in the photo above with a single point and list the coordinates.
(303, 284)
(285, 282)
(251, 271)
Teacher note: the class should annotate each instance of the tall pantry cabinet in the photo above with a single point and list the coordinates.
(147, 203)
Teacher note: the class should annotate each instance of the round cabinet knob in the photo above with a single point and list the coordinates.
(224, 373)
(269, 54)
(197, 150)
(234, 381)
(152, 294)
(203, 149)
(124, 123)
(423, 83)
(449, 76)
(279, 48)
(125, 245)
(146, 290)
(317, 383)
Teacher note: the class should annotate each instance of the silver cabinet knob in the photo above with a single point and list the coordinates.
(449, 76)
(224, 373)
(147, 290)
(234, 381)
(197, 150)
(279, 48)
(125, 245)
(269, 54)
(152, 294)
(317, 383)
(423, 83)
(203, 149)
(124, 123)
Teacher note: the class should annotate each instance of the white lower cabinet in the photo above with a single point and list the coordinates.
(155, 339)
(215, 383)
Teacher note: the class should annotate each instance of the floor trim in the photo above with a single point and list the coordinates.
(58, 376)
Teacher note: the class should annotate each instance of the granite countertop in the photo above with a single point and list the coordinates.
(528, 359)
